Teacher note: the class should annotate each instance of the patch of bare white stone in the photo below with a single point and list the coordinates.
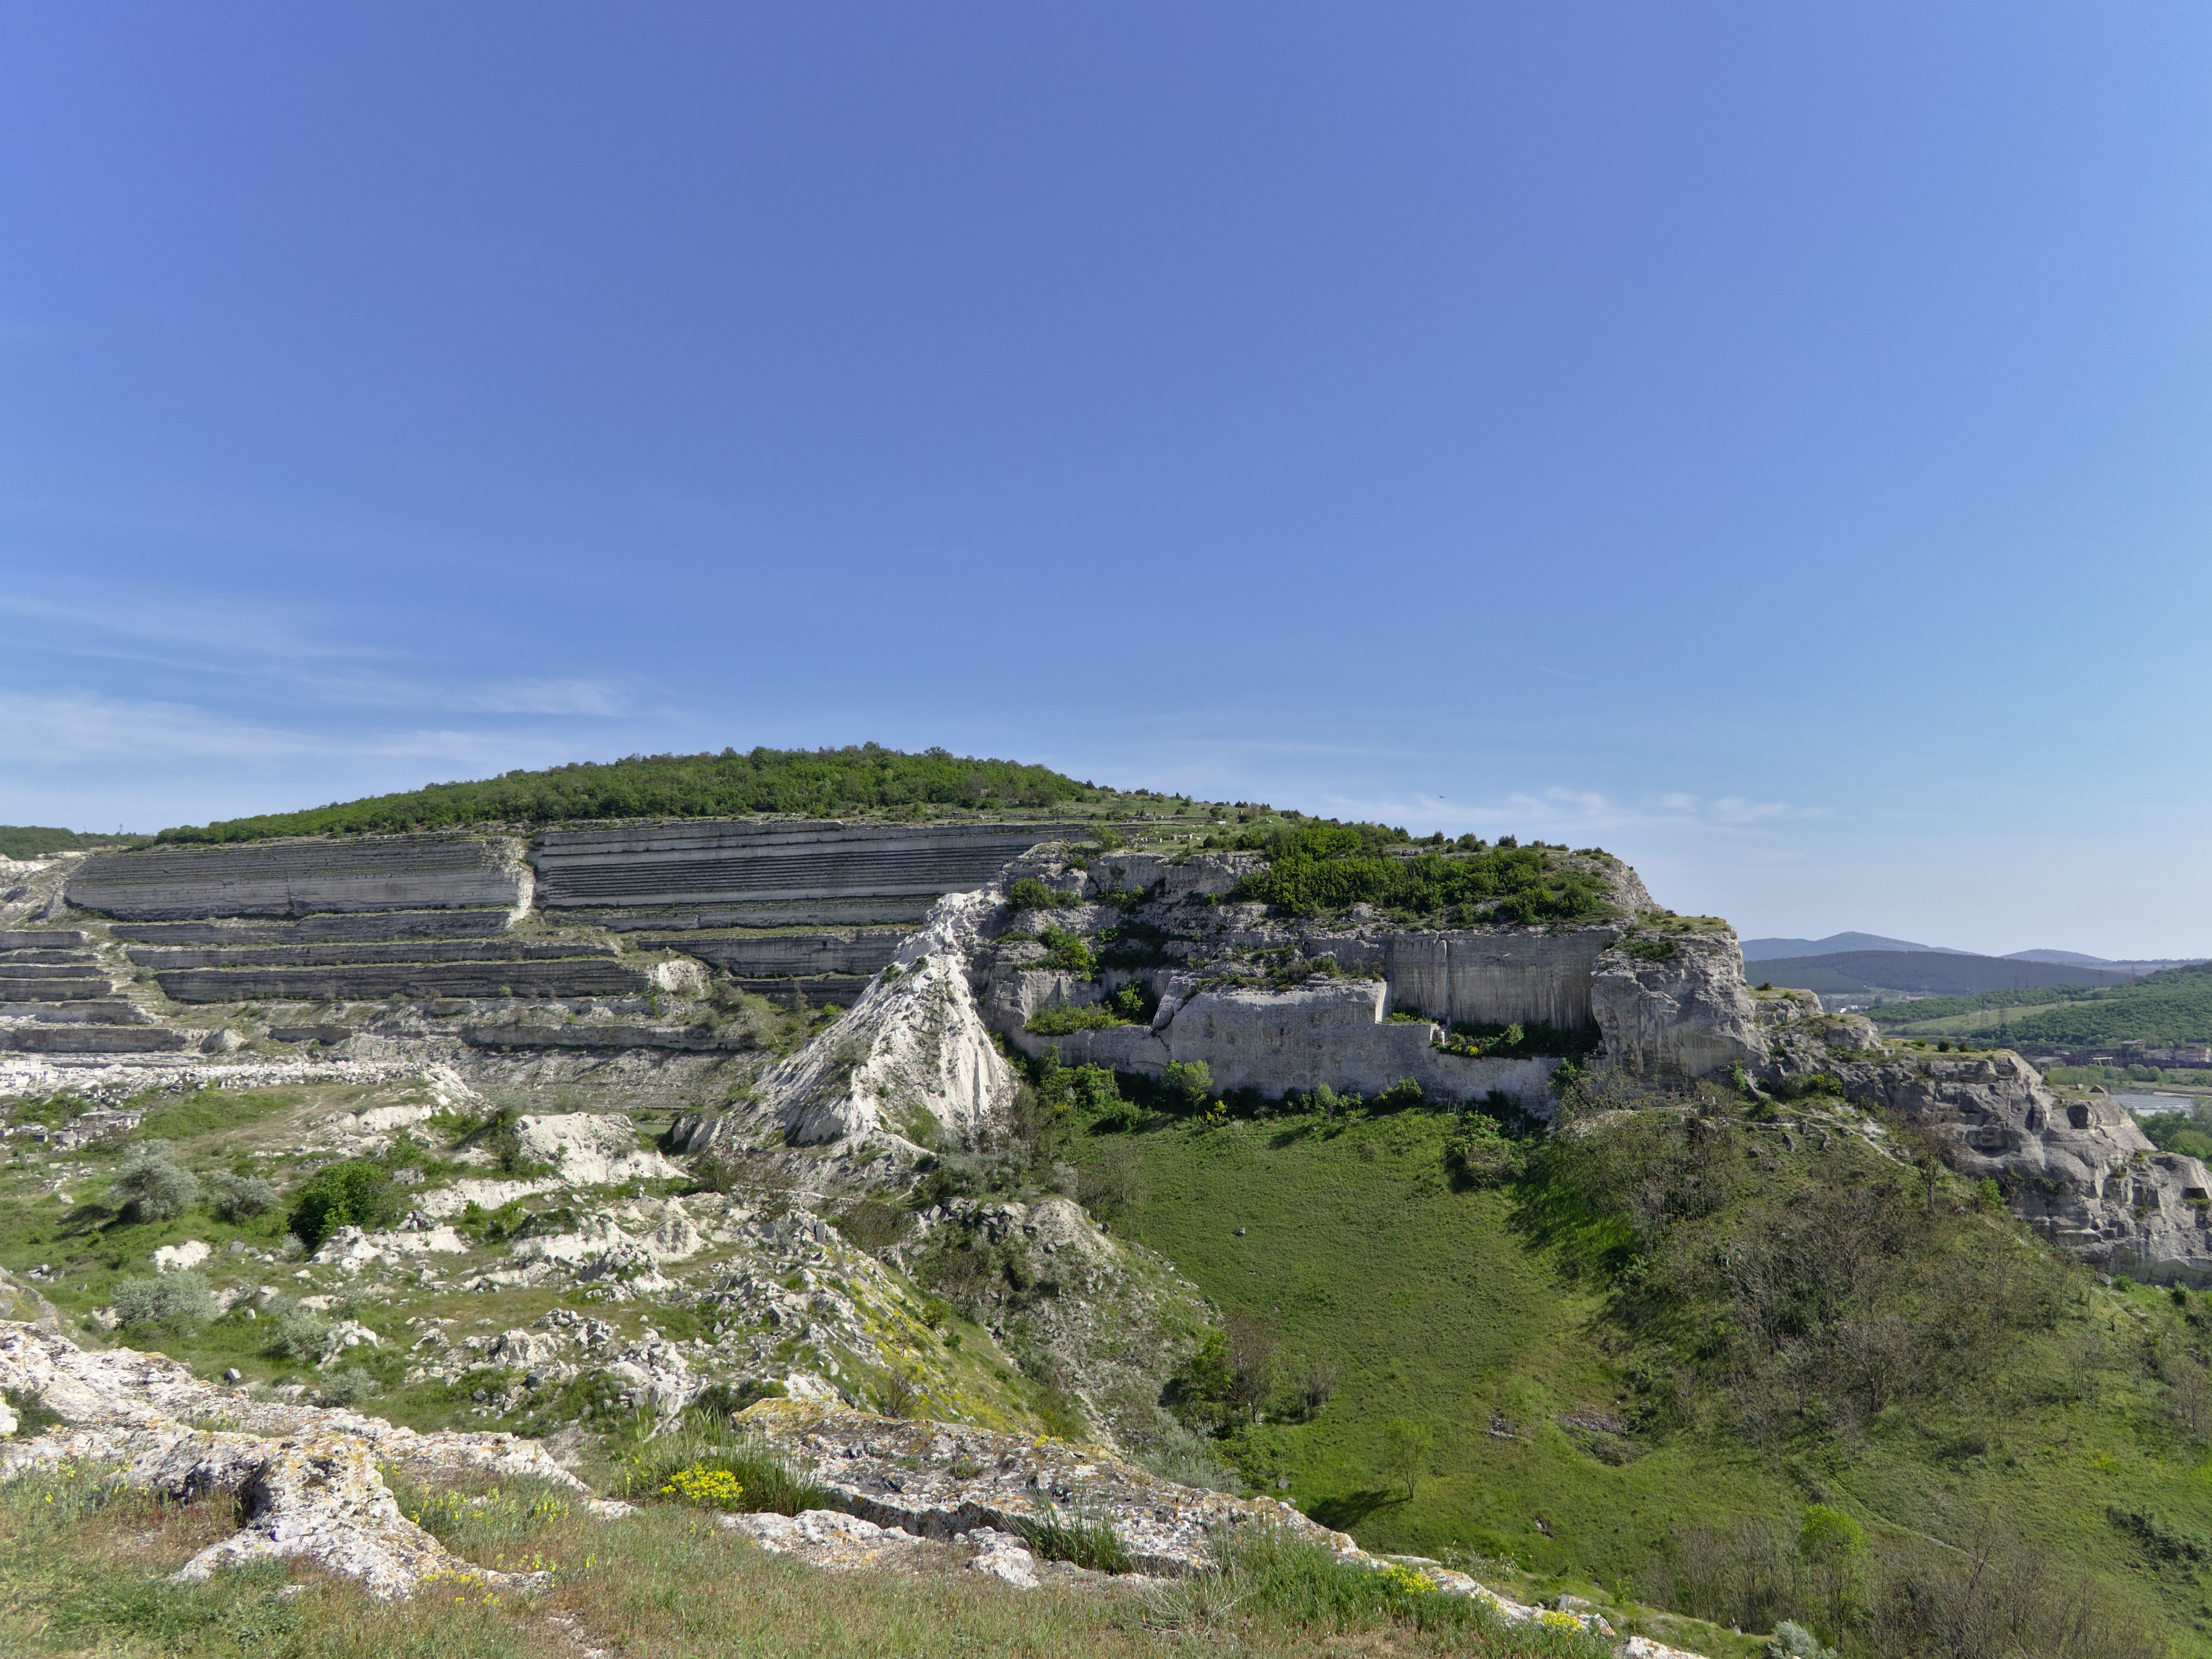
(310, 1483)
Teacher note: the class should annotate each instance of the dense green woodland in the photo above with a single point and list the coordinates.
(816, 782)
(2170, 1007)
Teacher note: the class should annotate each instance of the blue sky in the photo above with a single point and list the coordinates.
(1768, 442)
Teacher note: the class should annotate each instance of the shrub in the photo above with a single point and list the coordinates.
(347, 1388)
(1188, 1081)
(1134, 1002)
(1481, 1154)
(873, 1224)
(179, 1299)
(239, 1198)
(1068, 953)
(297, 1333)
(153, 1185)
(1028, 893)
(769, 1485)
(1318, 867)
(1793, 1641)
(355, 1193)
(1063, 1021)
(1399, 1096)
(711, 1488)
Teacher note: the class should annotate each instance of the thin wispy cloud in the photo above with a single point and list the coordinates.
(1559, 812)
(85, 731)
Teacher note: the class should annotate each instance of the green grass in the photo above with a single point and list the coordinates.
(83, 1571)
(1524, 1328)
(861, 778)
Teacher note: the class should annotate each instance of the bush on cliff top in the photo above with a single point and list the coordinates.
(1314, 868)
(819, 783)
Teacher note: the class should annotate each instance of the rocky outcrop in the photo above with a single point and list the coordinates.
(307, 1481)
(941, 1480)
(1677, 1010)
(2079, 1170)
(912, 1059)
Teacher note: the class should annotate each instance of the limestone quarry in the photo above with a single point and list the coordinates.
(656, 1098)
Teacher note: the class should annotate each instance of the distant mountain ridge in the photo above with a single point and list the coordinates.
(1924, 973)
(1835, 945)
(1761, 949)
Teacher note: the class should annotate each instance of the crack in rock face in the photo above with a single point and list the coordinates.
(308, 1480)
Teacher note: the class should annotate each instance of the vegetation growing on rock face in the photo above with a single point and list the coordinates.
(1316, 868)
(817, 783)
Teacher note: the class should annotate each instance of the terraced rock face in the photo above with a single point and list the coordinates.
(292, 878)
(744, 871)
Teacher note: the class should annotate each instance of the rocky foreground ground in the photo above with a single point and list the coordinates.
(309, 1481)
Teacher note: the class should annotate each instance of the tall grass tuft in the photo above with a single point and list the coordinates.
(1079, 1537)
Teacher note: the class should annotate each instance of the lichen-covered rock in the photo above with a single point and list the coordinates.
(944, 1481)
(307, 1480)
(826, 1537)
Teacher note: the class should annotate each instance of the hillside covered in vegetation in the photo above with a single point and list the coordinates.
(1718, 1356)
(816, 782)
(1313, 868)
(2167, 1009)
(24, 841)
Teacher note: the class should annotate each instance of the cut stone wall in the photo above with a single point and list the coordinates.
(780, 956)
(730, 861)
(576, 976)
(320, 956)
(294, 876)
(1498, 977)
(316, 930)
(1294, 1041)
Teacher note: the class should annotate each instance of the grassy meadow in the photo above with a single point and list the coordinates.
(1595, 1408)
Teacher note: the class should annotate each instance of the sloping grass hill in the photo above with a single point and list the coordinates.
(1671, 1356)
(818, 782)
(2167, 1009)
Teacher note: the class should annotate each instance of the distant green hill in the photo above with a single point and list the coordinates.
(2162, 1011)
(818, 782)
(24, 841)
